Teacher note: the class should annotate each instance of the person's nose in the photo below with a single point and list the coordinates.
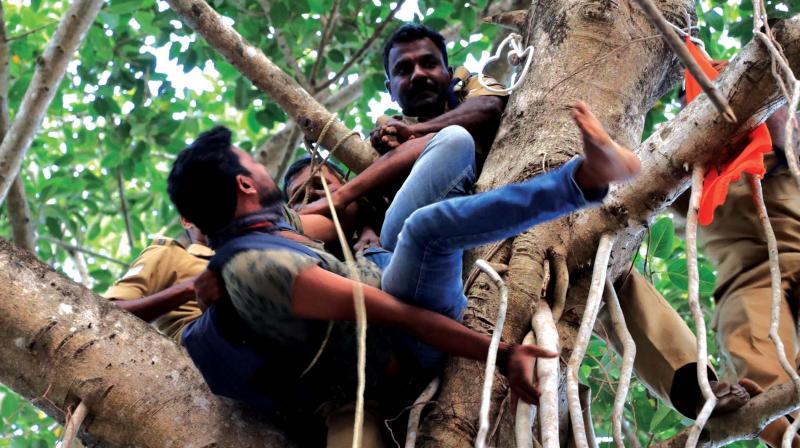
(419, 74)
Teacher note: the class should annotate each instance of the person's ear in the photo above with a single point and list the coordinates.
(388, 84)
(186, 224)
(245, 184)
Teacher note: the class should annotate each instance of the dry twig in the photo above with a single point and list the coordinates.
(416, 412)
(74, 424)
(628, 356)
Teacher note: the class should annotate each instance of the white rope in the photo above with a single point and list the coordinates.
(491, 357)
(361, 318)
(416, 412)
(582, 340)
(628, 357)
(515, 55)
(547, 373)
(698, 173)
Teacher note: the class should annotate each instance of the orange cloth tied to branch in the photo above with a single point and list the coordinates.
(750, 160)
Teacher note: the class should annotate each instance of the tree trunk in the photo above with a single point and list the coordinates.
(581, 50)
(50, 68)
(61, 344)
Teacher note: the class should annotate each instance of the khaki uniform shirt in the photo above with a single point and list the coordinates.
(735, 240)
(161, 265)
(468, 86)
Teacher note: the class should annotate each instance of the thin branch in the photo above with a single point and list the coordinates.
(526, 413)
(584, 334)
(123, 205)
(547, 373)
(491, 357)
(628, 356)
(284, 46)
(698, 173)
(364, 48)
(27, 33)
(71, 247)
(743, 424)
(630, 434)
(356, 154)
(50, 68)
(777, 291)
(74, 424)
(323, 42)
(679, 48)
(416, 411)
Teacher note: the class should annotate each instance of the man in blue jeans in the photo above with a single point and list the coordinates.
(291, 306)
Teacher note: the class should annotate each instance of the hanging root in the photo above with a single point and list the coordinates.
(777, 295)
(547, 372)
(628, 356)
(584, 334)
(679, 48)
(523, 421)
(416, 412)
(73, 424)
(561, 275)
(694, 303)
(491, 357)
(361, 318)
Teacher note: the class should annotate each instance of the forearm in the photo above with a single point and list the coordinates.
(388, 169)
(151, 307)
(480, 116)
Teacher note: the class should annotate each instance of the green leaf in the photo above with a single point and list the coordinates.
(10, 405)
(679, 276)
(662, 235)
(659, 415)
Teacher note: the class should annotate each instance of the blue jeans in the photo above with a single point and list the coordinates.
(425, 269)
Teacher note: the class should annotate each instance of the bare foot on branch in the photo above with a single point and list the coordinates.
(606, 161)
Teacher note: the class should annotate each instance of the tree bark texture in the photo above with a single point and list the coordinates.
(50, 68)
(61, 344)
(301, 107)
(581, 49)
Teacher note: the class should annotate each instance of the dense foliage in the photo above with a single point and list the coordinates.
(143, 85)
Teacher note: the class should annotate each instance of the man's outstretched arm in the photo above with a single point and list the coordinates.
(388, 169)
(315, 283)
(149, 308)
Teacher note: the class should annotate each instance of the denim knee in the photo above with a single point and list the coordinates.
(458, 143)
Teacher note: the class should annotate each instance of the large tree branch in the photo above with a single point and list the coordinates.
(61, 344)
(276, 152)
(50, 68)
(744, 424)
(270, 79)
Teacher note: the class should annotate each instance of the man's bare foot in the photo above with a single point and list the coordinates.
(730, 397)
(772, 435)
(606, 161)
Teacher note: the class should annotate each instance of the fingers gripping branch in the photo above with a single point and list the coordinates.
(777, 295)
(584, 334)
(694, 303)
(491, 357)
(628, 356)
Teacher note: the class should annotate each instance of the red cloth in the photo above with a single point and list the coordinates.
(750, 160)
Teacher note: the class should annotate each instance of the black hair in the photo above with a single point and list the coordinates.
(202, 182)
(411, 32)
(299, 165)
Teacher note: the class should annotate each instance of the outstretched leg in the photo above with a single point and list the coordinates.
(425, 269)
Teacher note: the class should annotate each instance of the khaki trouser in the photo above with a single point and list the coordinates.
(742, 321)
(340, 428)
(664, 343)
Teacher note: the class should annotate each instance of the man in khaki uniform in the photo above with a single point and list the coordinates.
(735, 242)
(159, 286)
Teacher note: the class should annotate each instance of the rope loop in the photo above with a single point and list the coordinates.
(515, 57)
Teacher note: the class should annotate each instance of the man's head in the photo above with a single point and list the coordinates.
(299, 172)
(212, 182)
(417, 72)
